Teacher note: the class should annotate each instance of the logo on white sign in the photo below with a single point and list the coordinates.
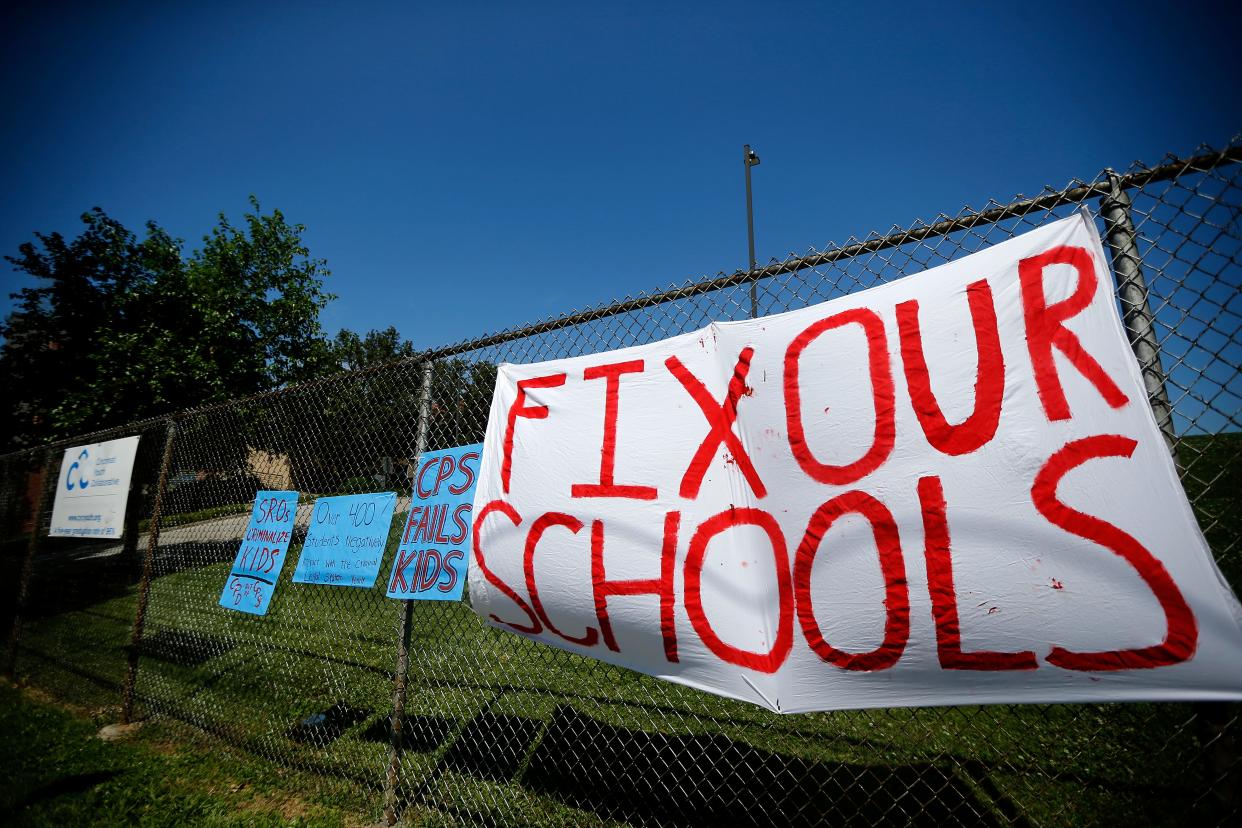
(90, 502)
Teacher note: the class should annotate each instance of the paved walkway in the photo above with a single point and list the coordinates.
(214, 530)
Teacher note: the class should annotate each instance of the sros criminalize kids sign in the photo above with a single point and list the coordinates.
(948, 489)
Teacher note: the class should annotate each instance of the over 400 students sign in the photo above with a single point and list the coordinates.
(948, 489)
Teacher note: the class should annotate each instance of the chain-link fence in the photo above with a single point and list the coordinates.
(494, 728)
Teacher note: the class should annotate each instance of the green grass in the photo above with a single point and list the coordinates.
(59, 773)
(322, 646)
(1212, 474)
(505, 731)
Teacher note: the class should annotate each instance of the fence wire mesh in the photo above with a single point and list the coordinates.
(501, 730)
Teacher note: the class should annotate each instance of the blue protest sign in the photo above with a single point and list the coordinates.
(256, 569)
(345, 542)
(435, 544)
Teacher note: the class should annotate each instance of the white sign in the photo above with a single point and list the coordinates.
(92, 490)
(949, 489)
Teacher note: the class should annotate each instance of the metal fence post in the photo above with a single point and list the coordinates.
(148, 564)
(1213, 719)
(23, 587)
(1135, 302)
(393, 776)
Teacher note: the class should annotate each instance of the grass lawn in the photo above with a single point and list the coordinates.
(506, 731)
(59, 773)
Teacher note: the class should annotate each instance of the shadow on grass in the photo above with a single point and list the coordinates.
(321, 729)
(184, 647)
(492, 746)
(102, 682)
(71, 575)
(692, 780)
(294, 757)
(635, 776)
(78, 783)
(421, 734)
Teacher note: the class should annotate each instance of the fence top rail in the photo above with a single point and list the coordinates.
(1077, 191)
(1204, 160)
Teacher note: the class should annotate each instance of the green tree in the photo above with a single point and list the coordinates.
(259, 294)
(350, 352)
(358, 429)
(460, 394)
(120, 328)
(365, 416)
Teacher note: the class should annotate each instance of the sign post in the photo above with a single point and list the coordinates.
(392, 778)
(148, 563)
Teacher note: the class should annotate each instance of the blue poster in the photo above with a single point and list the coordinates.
(345, 542)
(435, 544)
(256, 569)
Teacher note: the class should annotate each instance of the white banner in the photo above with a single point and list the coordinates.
(948, 489)
(92, 490)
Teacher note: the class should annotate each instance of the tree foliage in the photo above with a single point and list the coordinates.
(351, 352)
(360, 429)
(119, 328)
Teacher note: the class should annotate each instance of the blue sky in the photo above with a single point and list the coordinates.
(466, 167)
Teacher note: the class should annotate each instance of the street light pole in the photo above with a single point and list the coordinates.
(750, 159)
